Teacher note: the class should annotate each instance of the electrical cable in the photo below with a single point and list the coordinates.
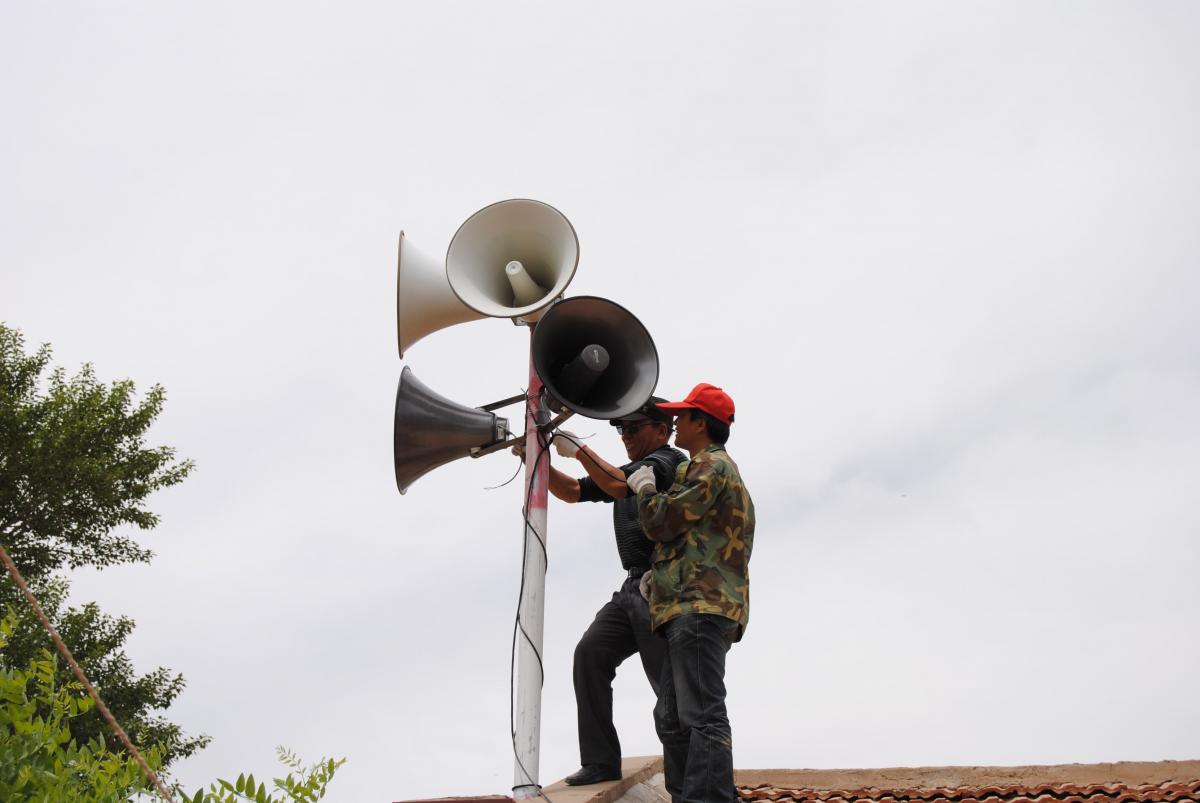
(507, 481)
(616, 475)
(544, 444)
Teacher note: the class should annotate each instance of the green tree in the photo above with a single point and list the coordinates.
(97, 640)
(41, 761)
(39, 758)
(75, 473)
(74, 465)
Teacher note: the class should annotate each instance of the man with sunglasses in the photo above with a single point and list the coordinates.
(622, 627)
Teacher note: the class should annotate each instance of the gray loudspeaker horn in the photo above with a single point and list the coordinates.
(424, 300)
(430, 430)
(595, 357)
(512, 259)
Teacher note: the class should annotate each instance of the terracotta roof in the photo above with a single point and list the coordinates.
(1045, 793)
(483, 799)
(1158, 782)
(1120, 782)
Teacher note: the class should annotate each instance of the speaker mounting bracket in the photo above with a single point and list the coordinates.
(480, 451)
(556, 421)
(496, 405)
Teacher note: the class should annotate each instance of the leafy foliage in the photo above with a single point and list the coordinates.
(74, 468)
(97, 640)
(73, 463)
(302, 785)
(39, 758)
(75, 472)
(42, 762)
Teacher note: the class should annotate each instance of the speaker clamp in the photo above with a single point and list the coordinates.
(480, 451)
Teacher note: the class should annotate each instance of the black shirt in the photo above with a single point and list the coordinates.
(632, 544)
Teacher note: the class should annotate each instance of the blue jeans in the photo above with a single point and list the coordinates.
(690, 716)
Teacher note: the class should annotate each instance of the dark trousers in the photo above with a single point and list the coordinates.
(690, 715)
(621, 628)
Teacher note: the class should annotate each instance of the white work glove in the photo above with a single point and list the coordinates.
(644, 585)
(641, 478)
(566, 443)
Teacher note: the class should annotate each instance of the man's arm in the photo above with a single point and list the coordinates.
(562, 486)
(666, 516)
(607, 477)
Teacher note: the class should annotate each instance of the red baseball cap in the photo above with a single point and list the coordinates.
(708, 398)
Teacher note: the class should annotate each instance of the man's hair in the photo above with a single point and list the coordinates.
(718, 431)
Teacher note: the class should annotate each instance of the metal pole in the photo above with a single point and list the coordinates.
(528, 724)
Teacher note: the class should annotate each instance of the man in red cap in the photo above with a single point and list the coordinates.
(703, 529)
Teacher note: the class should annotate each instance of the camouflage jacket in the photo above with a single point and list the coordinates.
(703, 529)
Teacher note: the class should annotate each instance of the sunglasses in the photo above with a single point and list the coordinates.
(633, 427)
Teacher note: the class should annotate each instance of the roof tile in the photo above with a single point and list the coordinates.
(1167, 792)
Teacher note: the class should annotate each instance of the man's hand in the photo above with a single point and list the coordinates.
(644, 585)
(644, 476)
(519, 449)
(566, 443)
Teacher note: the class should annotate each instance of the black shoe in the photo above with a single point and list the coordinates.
(592, 773)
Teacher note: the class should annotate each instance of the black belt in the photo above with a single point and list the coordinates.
(638, 571)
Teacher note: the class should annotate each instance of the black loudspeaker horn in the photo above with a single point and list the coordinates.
(430, 430)
(595, 357)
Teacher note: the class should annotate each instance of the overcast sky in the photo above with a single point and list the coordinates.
(942, 255)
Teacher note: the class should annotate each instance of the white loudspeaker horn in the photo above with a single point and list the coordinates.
(424, 300)
(512, 259)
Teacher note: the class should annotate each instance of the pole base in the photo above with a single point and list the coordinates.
(526, 791)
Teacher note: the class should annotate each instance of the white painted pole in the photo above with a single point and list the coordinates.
(528, 724)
